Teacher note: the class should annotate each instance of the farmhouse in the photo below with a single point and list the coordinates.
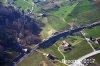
(98, 40)
(66, 45)
(51, 57)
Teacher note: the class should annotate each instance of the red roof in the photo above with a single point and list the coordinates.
(65, 43)
(98, 39)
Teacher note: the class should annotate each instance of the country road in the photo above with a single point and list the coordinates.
(88, 40)
(78, 62)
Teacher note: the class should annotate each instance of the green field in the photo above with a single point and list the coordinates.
(56, 20)
(94, 32)
(96, 46)
(78, 51)
(54, 51)
(52, 25)
(83, 6)
(36, 59)
(24, 5)
(85, 12)
(74, 40)
(64, 11)
(57, 23)
(4, 1)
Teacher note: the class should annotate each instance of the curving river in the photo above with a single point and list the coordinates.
(48, 42)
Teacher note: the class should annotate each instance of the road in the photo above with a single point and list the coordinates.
(88, 40)
(78, 62)
(64, 58)
(89, 55)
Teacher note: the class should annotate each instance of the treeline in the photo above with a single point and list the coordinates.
(17, 26)
(16, 30)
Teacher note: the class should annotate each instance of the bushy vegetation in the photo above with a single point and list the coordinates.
(16, 30)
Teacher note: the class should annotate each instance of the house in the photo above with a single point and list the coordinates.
(26, 50)
(42, 15)
(51, 57)
(98, 40)
(92, 39)
(66, 45)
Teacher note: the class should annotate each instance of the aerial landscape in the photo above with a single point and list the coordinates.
(49, 32)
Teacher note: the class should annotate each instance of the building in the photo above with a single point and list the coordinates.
(26, 50)
(66, 45)
(98, 40)
(51, 57)
(92, 39)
